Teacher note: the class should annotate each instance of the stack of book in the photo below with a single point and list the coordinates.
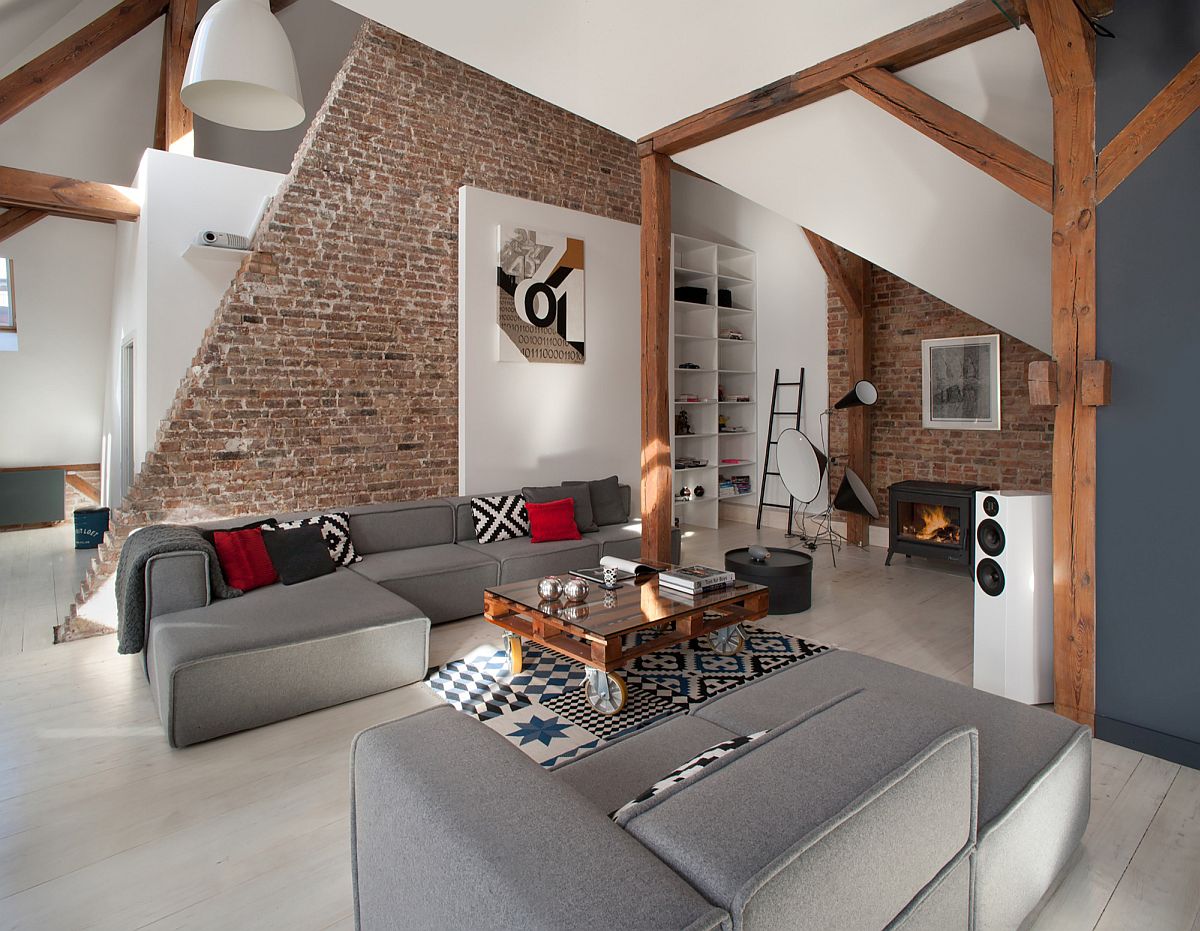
(695, 580)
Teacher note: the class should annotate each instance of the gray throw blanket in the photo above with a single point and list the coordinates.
(131, 576)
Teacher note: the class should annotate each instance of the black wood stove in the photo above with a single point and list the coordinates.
(933, 519)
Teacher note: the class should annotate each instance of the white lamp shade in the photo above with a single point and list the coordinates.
(241, 71)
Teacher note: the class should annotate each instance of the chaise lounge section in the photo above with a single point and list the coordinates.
(880, 797)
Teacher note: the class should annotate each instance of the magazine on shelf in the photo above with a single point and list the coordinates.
(626, 570)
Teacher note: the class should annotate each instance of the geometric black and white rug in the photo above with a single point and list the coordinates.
(543, 710)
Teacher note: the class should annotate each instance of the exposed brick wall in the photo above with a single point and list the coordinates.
(329, 373)
(1016, 456)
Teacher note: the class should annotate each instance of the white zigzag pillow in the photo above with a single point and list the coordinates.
(335, 531)
(500, 517)
(686, 772)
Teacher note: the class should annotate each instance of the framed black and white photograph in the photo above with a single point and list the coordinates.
(960, 383)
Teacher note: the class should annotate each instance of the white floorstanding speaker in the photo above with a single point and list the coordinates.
(1014, 603)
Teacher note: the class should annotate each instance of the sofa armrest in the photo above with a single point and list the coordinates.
(453, 826)
(176, 582)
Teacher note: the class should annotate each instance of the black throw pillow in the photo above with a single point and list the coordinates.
(608, 505)
(298, 554)
(579, 493)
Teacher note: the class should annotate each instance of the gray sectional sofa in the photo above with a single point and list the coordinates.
(219, 666)
(880, 798)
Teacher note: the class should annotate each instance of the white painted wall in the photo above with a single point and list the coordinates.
(791, 303)
(163, 300)
(52, 384)
(532, 424)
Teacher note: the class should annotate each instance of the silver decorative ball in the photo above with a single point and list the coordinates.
(550, 588)
(575, 589)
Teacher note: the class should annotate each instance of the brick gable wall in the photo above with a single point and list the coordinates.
(329, 373)
(1016, 456)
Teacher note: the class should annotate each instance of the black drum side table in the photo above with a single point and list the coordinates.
(788, 575)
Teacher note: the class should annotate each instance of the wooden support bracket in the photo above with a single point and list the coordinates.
(1043, 384)
(1095, 382)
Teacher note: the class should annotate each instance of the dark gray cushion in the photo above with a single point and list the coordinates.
(297, 553)
(522, 559)
(377, 528)
(609, 506)
(446, 582)
(578, 493)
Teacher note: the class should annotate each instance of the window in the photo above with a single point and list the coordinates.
(8, 314)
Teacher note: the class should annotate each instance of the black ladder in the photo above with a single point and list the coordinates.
(772, 442)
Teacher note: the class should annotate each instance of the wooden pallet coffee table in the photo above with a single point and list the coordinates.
(592, 632)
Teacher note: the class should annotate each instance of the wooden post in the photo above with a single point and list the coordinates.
(656, 308)
(1067, 46)
(173, 127)
(858, 427)
(849, 276)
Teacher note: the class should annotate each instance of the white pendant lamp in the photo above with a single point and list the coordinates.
(241, 71)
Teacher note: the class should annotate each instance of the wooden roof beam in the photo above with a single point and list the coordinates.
(67, 197)
(15, 219)
(849, 274)
(54, 67)
(1150, 128)
(962, 24)
(1013, 166)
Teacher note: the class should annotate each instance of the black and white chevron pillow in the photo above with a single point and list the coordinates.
(689, 770)
(500, 517)
(335, 531)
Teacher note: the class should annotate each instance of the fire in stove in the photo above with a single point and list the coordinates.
(932, 523)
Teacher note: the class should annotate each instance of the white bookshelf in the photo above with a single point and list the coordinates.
(721, 390)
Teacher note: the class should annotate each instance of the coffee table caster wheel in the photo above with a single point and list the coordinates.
(728, 641)
(604, 692)
(512, 644)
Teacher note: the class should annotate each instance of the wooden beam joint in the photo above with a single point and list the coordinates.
(1095, 382)
(1043, 384)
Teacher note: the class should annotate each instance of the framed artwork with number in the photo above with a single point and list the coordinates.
(539, 297)
(960, 383)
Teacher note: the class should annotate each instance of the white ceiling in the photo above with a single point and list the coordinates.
(840, 167)
(22, 21)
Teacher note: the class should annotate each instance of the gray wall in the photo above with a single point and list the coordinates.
(321, 33)
(1148, 571)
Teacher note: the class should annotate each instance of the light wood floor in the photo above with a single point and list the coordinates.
(102, 825)
(40, 571)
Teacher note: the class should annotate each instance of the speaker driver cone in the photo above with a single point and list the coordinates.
(991, 537)
(990, 577)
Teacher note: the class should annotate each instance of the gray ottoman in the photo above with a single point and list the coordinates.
(281, 651)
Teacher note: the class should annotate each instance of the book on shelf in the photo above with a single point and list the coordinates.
(695, 579)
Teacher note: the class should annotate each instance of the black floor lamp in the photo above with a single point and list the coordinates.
(800, 460)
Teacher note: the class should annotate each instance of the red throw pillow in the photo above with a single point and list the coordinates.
(554, 520)
(243, 557)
